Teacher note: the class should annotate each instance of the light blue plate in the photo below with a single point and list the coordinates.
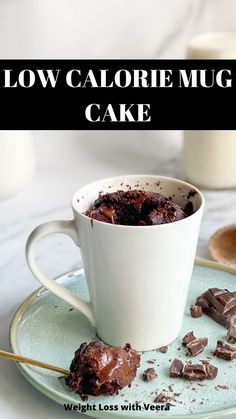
(47, 329)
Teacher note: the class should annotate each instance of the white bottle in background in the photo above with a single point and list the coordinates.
(209, 156)
(17, 162)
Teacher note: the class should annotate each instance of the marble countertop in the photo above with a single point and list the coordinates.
(48, 197)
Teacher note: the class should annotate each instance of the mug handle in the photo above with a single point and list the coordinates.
(43, 230)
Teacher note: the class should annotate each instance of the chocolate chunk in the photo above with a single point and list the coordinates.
(211, 371)
(176, 368)
(225, 351)
(219, 305)
(199, 371)
(197, 346)
(231, 335)
(149, 374)
(162, 398)
(163, 349)
(101, 369)
(194, 372)
(191, 371)
(109, 213)
(188, 338)
(195, 311)
(222, 300)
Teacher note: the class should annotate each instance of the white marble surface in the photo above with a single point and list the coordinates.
(76, 160)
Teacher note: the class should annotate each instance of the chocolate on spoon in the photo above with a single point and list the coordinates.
(222, 245)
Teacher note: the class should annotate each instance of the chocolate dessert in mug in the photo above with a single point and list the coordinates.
(138, 273)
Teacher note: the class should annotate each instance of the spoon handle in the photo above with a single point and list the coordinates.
(19, 358)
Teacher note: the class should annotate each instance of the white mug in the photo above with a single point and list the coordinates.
(138, 276)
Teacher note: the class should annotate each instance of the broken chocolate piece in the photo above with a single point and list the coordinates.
(197, 346)
(101, 369)
(219, 305)
(188, 338)
(163, 349)
(222, 300)
(196, 311)
(231, 335)
(225, 351)
(194, 372)
(149, 374)
(211, 371)
(162, 398)
(191, 371)
(176, 368)
(199, 371)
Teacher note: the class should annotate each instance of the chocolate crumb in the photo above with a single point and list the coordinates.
(151, 361)
(162, 398)
(149, 374)
(71, 309)
(163, 349)
(223, 386)
(170, 388)
(196, 311)
(191, 194)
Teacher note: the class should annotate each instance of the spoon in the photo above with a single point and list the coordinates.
(19, 358)
(222, 245)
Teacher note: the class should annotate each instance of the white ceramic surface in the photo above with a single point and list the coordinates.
(135, 273)
(61, 330)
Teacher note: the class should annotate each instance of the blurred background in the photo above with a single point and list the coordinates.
(40, 170)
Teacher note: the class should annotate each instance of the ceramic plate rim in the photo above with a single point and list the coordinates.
(60, 398)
